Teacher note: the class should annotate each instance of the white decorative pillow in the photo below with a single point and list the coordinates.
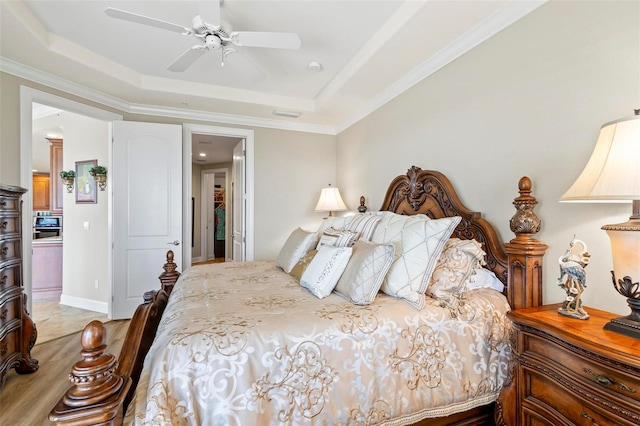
(363, 276)
(364, 225)
(296, 246)
(484, 278)
(455, 265)
(337, 237)
(324, 271)
(418, 241)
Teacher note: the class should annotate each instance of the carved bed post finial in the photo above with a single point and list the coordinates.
(97, 392)
(362, 208)
(169, 277)
(525, 252)
(525, 223)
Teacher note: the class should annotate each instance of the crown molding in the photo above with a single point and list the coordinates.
(506, 16)
(37, 76)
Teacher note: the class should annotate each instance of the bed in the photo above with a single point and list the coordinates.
(245, 343)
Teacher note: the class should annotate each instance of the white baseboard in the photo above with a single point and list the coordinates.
(82, 303)
(196, 259)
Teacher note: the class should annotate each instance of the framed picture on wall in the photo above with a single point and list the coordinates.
(85, 183)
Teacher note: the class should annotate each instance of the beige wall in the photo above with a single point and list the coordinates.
(85, 251)
(529, 101)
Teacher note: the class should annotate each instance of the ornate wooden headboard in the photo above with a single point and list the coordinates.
(518, 263)
(431, 193)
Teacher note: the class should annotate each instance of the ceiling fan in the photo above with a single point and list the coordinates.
(211, 36)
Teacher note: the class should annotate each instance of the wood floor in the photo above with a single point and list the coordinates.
(54, 320)
(27, 399)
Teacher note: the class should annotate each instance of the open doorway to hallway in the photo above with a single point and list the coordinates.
(212, 163)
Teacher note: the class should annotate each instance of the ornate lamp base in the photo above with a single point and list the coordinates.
(629, 325)
(624, 325)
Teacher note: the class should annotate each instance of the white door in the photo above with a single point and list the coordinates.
(147, 208)
(211, 217)
(239, 202)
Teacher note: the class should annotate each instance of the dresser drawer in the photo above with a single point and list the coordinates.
(11, 275)
(9, 224)
(10, 307)
(561, 401)
(9, 204)
(603, 374)
(9, 348)
(10, 249)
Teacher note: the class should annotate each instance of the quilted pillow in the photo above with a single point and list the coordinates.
(337, 237)
(418, 241)
(457, 262)
(302, 265)
(296, 246)
(324, 271)
(365, 271)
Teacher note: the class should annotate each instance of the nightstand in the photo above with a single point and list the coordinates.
(568, 371)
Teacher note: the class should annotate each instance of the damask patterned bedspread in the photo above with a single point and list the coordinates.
(245, 344)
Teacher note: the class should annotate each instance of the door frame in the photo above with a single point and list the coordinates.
(189, 130)
(204, 211)
(28, 96)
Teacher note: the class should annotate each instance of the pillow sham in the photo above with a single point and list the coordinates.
(337, 237)
(455, 265)
(418, 243)
(365, 272)
(302, 265)
(296, 246)
(324, 271)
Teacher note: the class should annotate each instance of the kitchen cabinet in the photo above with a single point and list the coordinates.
(41, 192)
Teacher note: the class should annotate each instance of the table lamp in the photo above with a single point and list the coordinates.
(330, 200)
(613, 175)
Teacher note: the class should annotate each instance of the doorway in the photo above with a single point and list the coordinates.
(218, 144)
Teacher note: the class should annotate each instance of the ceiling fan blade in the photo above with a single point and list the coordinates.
(141, 19)
(187, 58)
(265, 39)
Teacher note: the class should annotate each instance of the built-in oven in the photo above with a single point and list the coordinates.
(47, 226)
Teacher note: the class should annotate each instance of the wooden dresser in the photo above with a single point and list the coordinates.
(570, 372)
(17, 331)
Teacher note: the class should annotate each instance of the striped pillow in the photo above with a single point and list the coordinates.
(364, 225)
(337, 238)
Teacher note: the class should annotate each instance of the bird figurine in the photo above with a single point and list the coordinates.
(573, 278)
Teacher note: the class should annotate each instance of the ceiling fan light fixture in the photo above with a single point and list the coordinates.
(283, 113)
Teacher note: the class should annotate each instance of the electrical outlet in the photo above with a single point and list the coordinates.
(86, 226)
(97, 284)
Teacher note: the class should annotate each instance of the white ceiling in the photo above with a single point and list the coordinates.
(371, 50)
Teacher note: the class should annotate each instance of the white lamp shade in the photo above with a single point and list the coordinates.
(330, 200)
(613, 171)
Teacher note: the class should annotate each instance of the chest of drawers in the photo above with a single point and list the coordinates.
(571, 372)
(17, 331)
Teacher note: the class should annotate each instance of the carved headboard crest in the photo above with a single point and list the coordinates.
(431, 193)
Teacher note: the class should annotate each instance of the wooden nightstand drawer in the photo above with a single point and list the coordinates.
(556, 400)
(573, 361)
(570, 372)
